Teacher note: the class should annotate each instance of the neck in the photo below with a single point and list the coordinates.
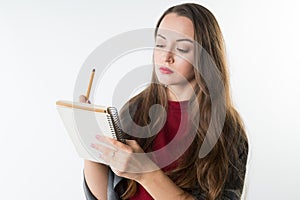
(180, 92)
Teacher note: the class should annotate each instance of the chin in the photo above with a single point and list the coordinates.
(163, 81)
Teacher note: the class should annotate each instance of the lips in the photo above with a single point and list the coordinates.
(165, 70)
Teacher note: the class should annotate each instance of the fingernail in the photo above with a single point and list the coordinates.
(93, 145)
(98, 136)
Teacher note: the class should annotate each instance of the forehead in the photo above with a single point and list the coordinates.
(174, 25)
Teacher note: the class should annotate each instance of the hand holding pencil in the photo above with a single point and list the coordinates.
(85, 99)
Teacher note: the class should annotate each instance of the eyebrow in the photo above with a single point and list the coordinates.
(179, 40)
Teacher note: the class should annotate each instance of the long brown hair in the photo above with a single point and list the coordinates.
(225, 163)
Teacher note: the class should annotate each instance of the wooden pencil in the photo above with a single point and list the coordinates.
(90, 84)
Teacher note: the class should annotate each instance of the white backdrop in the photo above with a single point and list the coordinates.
(43, 44)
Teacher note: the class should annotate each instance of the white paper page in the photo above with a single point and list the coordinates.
(82, 126)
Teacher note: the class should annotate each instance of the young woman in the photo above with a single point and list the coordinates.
(188, 87)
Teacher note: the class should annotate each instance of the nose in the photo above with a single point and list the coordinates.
(168, 56)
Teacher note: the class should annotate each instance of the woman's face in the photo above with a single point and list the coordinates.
(174, 51)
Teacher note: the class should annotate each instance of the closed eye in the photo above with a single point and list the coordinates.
(183, 50)
(159, 45)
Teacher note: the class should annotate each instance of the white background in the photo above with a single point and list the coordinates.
(44, 43)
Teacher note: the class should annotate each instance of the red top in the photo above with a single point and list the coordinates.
(176, 116)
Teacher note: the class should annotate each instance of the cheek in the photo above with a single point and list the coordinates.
(186, 69)
(156, 57)
(183, 63)
(185, 59)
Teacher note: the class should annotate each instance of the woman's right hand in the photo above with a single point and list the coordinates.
(83, 99)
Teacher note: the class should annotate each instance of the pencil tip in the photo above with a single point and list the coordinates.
(93, 70)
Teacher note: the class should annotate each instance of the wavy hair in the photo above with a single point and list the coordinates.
(225, 165)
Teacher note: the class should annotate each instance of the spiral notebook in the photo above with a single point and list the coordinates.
(84, 121)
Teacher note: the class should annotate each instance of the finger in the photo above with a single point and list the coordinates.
(133, 144)
(120, 145)
(102, 154)
(105, 141)
(103, 149)
(115, 143)
(102, 138)
(82, 99)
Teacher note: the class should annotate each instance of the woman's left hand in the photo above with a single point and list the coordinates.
(126, 160)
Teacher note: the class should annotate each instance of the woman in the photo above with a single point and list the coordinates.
(188, 86)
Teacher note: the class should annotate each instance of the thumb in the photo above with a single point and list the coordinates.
(83, 99)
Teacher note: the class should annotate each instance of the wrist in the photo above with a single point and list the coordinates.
(150, 177)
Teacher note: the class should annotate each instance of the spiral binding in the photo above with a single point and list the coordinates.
(119, 134)
(111, 126)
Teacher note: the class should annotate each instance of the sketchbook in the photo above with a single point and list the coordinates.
(84, 121)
